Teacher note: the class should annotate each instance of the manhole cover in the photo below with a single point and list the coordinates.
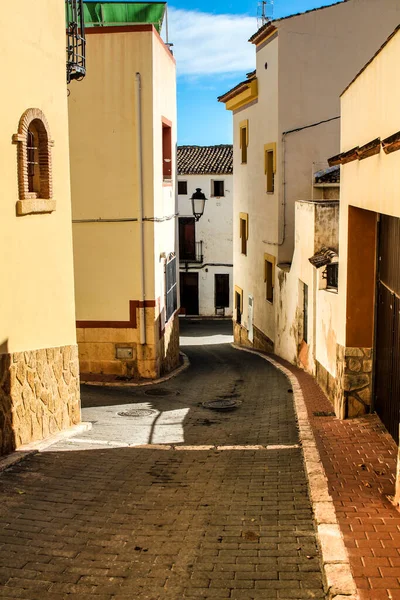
(138, 412)
(158, 392)
(323, 413)
(226, 404)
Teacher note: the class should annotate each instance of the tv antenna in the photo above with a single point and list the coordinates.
(265, 12)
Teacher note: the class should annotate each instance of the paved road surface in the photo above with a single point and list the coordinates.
(99, 517)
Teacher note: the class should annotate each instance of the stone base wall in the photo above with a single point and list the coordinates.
(354, 381)
(169, 346)
(39, 395)
(351, 390)
(260, 340)
(117, 351)
(326, 381)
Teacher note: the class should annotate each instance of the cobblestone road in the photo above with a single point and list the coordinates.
(88, 519)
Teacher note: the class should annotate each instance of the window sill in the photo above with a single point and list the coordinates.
(167, 183)
(35, 206)
(271, 302)
(216, 196)
(330, 290)
(270, 193)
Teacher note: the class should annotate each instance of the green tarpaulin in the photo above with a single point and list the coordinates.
(119, 13)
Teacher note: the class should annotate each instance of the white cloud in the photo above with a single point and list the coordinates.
(207, 44)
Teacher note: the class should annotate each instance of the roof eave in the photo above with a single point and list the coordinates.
(265, 31)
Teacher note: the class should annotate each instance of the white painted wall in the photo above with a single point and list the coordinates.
(315, 226)
(214, 229)
(301, 74)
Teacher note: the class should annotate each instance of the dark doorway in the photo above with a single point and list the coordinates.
(221, 287)
(189, 283)
(387, 342)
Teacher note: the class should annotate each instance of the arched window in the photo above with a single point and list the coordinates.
(35, 187)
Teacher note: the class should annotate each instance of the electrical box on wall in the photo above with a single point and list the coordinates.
(124, 353)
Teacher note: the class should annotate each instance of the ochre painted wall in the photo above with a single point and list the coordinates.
(36, 269)
(369, 110)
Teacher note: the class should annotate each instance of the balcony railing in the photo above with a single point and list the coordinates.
(76, 42)
(193, 257)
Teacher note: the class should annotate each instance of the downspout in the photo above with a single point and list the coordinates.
(284, 180)
(139, 147)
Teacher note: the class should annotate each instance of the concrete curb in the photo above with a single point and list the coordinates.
(27, 450)
(339, 582)
(178, 371)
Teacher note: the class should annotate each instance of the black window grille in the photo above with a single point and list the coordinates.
(76, 42)
(32, 160)
(171, 288)
(332, 276)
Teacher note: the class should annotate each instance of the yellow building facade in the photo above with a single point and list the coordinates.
(367, 322)
(39, 380)
(123, 139)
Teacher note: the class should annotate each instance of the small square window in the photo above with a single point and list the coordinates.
(182, 188)
(217, 188)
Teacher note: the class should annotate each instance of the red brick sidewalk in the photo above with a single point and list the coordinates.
(359, 457)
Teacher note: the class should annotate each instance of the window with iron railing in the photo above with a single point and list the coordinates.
(331, 274)
(171, 289)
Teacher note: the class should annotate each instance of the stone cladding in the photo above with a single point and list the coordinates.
(39, 395)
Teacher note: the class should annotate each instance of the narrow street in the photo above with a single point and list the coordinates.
(194, 512)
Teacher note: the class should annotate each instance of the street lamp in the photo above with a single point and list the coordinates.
(198, 203)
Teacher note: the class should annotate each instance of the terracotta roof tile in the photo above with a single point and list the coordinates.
(205, 160)
(329, 175)
(323, 257)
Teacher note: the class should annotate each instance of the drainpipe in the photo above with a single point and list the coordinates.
(139, 140)
(284, 178)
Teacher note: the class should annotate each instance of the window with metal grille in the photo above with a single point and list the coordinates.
(33, 160)
(182, 188)
(332, 276)
(217, 188)
(171, 288)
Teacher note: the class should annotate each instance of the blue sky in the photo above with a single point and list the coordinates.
(213, 55)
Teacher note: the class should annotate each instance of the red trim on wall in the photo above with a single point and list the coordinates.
(120, 28)
(166, 121)
(131, 324)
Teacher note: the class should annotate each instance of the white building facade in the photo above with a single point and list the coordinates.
(286, 123)
(205, 246)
